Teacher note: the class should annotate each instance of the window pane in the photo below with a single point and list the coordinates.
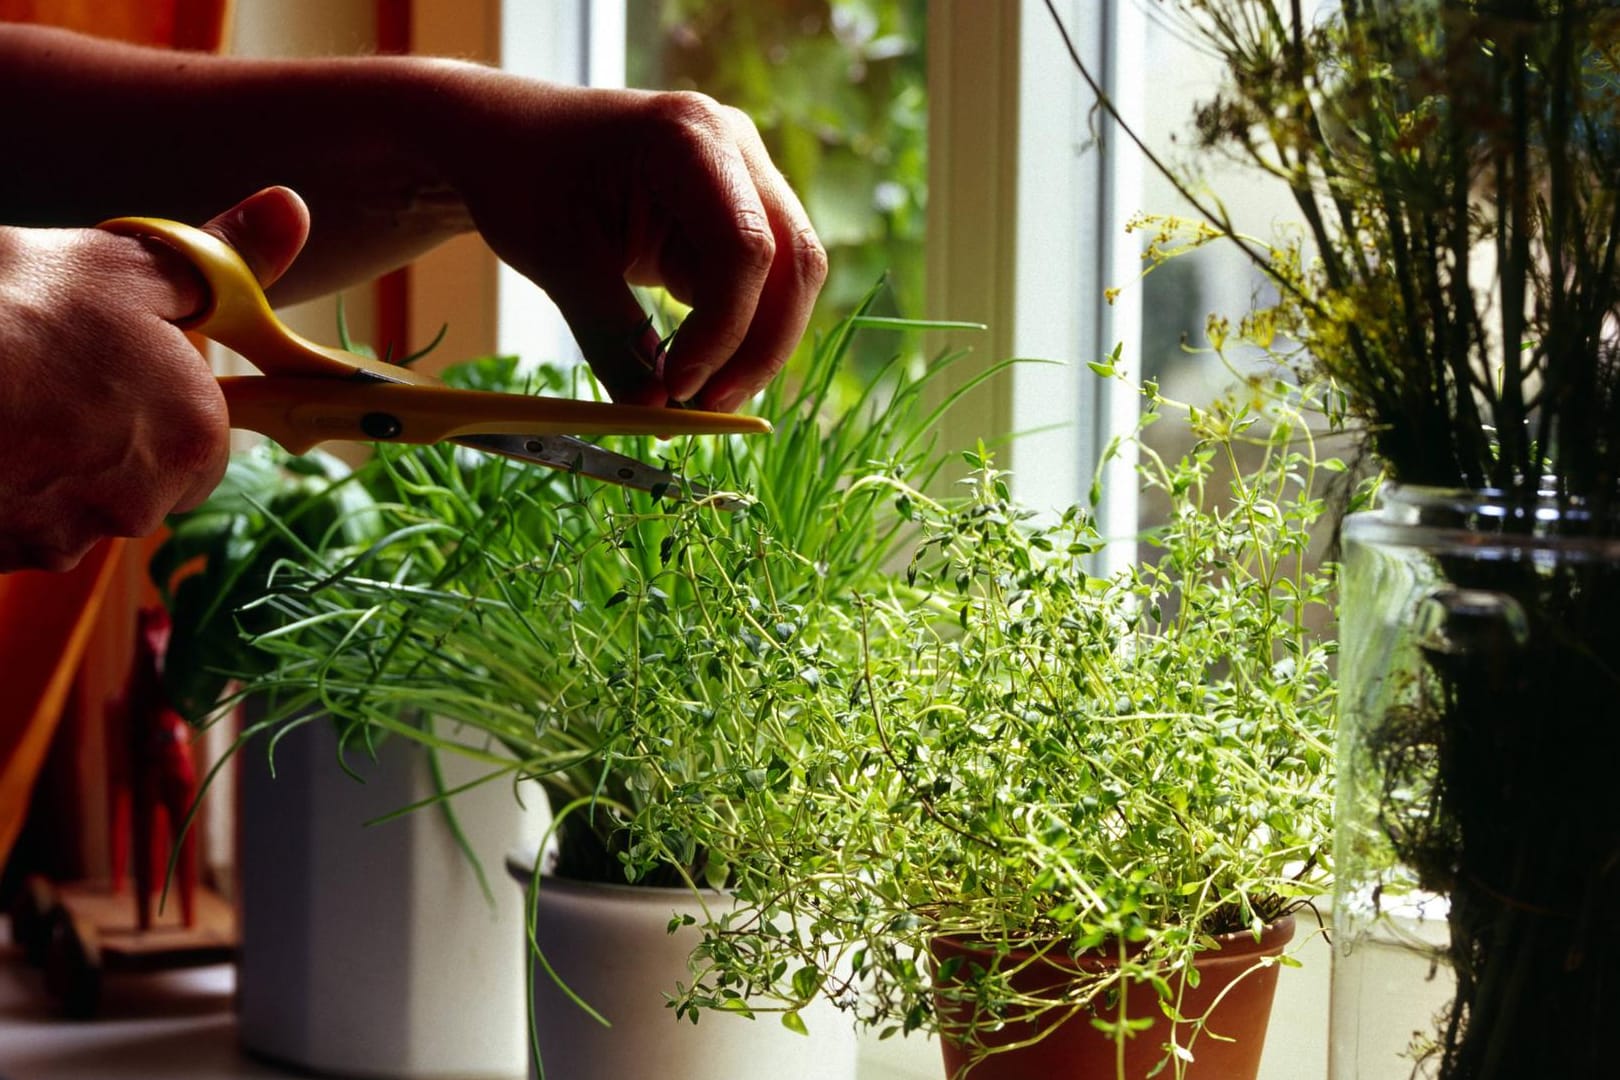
(1178, 296)
(837, 90)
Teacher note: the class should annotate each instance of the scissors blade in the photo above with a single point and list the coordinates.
(578, 456)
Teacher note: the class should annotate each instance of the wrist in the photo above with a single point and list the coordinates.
(366, 163)
(480, 127)
(423, 126)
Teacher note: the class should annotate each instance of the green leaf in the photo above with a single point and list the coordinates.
(807, 982)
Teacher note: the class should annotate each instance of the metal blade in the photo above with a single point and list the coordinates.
(578, 456)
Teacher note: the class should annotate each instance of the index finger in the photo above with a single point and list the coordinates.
(798, 270)
(730, 247)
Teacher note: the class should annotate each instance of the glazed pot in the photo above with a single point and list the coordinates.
(1062, 1044)
(371, 950)
(611, 945)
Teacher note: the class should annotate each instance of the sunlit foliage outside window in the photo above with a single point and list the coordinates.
(838, 90)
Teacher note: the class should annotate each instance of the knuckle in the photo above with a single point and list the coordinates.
(184, 458)
(128, 517)
(809, 258)
(738, 120)
(695, 114)
(756, 245)
(196, 428)
(115, 508)
(194, 447)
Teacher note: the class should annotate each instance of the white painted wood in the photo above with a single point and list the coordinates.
(579, 42)
(1026, 214)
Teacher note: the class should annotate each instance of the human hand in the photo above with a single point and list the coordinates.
(109, 418)
(588, 191)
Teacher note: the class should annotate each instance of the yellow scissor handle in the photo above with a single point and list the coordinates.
(310, 394)
(237, 315)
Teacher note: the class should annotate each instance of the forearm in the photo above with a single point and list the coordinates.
(584, 191)
(116, 130)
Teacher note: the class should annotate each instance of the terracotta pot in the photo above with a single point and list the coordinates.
(1070, 1048)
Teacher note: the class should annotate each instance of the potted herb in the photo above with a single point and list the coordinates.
(519, 603)
(1457, 170)
(347, 962)
(1063, 821)
(215, 559)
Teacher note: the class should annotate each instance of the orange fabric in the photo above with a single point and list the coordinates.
(58, 631)
(45, 622)
(181, 24)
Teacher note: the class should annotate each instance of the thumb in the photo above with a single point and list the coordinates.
(267, 229)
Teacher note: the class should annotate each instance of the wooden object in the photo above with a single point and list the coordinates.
(83, 933)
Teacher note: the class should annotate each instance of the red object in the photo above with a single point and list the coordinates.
(1062, 1044)
(163, 776)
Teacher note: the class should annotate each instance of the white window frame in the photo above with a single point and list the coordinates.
(1027, 209)
(580, 42)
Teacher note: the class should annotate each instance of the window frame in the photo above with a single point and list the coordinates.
(1010, 123)
(581, 42)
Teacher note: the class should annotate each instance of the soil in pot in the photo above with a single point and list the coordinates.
(1063, 1044)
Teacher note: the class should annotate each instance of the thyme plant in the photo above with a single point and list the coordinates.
(1013, 751)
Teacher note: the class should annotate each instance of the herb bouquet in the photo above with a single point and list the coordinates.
(1456, 272)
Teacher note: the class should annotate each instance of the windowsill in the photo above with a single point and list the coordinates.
(179, 1025)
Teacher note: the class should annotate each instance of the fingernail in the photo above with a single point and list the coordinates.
(685, 384)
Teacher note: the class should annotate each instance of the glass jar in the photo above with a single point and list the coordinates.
(1477, 846)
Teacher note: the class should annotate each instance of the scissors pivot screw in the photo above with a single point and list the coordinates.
(380, 425)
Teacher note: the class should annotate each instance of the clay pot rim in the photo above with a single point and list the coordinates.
(1237, 946)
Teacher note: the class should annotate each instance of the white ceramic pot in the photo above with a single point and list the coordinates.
(372, 951)
(611, 945)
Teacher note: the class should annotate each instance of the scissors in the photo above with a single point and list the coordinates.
(308, 394)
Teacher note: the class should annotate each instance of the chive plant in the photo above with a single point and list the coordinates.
(522, 606)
